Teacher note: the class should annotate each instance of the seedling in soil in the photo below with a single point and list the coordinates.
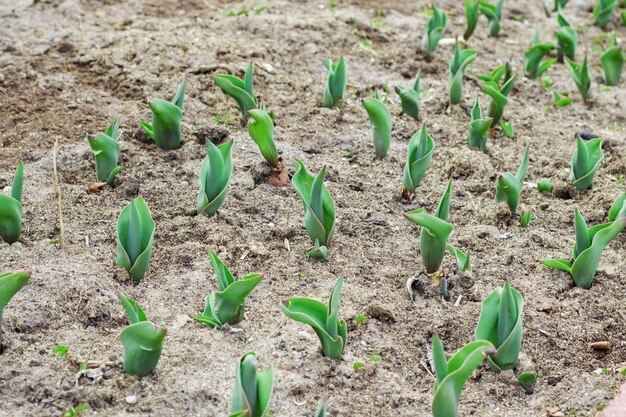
(215, 175)
(419, 156)
(498, 93)
(472, 13)
(11, 209)
(534, 64)
(451, 375)
(75, 411)
(380, 119)
(478, 129)
(434, 234)
(525, 217)
(494, 15)
(559, 4)
(560, 100)
(336, 83)
(507, 128)
(566, 39)
(240, 90)
(590, 243)
(253, 388)
(10, 284)
(166, 127)
(410, 99)
(585, 162)
(142, 340)
(106, 150)
(261, 130)
(527, 380)
(135, 234)
(617, 206)
(581, 76)
(509, 186)
(324, 319)
(500, 323)
(435, 29)
(321, 409)
(459, 62)
(603, 12)
(64, 353)
(612, 61)
(319, 209)
(227, 305)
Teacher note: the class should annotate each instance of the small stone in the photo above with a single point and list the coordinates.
(363, 343)
(16, 245)
(131, 399)
(304, 335)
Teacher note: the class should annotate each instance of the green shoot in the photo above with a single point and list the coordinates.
(509, 186)
(566, 39)
(410, 99)
(75, 411)
(559, 4)
(507, 128)
(419, 156)
(325, 321)
(527, 380)
(135, 234)
(498, 93)
(106, 150)
(459, 62)
(11, 209)
(166, 127)
(525, 217)
(560, 100)
(472, 13)
(545, 186)
(581, 76)
(603, 12)
(617, 206)
(336, 83)
(478, 129)
(261, 130)
(227, 305)
(612, 61)
(585, 162)
(215, 175)
(380, 119)
(435, 29)
(10, 284)
(500, 323)
(253, 389)
(494, 15)
(242, 91)
(321, 409)
(534, 64)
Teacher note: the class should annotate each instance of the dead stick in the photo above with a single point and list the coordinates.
(58, 190)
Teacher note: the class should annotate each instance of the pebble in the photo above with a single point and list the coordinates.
(304, 335)
(131, 399)
(16, 245)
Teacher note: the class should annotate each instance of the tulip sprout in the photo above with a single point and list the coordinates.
(612, 61)
(500, 323)
(336, 83)
(215, 175)
(319, 209)
(603, 12)
(507, 128)
(560, 100)
(527, 380)
(590, 243)
(533, 64)
(560, 4)
(479, 128)
(240, 90)
(166, 127)
(494, 15)
(419, 156)
(142, 340)
(135, 234)
(253, 389)
(451, 375)
(11, 209)
(460, 61)
(509, 186)
(472, 13)
(321, 409)
(545, 186)
(525, 217)
(617, 206)
(106, 150)
(581, 76)
(434, 234)
(380, 119)
(585, 162)
(10, 284)
(227, 306)
(261, 130)
(498, 93)
(410, 99)
(435, 29)
(566, 39)
(324, 319)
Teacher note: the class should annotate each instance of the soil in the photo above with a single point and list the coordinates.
(68, 68)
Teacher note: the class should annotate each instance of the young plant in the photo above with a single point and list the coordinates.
(590, 243)
(479, 128)
(451, 375)
(500, 323)
(566, 39)
(560, 4)
(612, 61)
(324, 319)
(560, 100)
(581, 76)
(533, 64)
(419, 156)
(227, 306)
(494, 15)
(617, 206)
(319, 209)
(545, 186)
(603, 12)
(509, 186)
(240, 90)
(106, 150)
(380, 119)
(321, 409)
(498, 95)
(507, 128)
(142, 340)
(253, 389)
(410, 99)
(135, 234)
(460, 60)
(166, 127)
(10, 284)
(527, 380)
(215, 173)
(261, 130)
(472, 13)
(336, 83)
(435, 29)
(434, 234)
(11, 209)
(585, 162)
